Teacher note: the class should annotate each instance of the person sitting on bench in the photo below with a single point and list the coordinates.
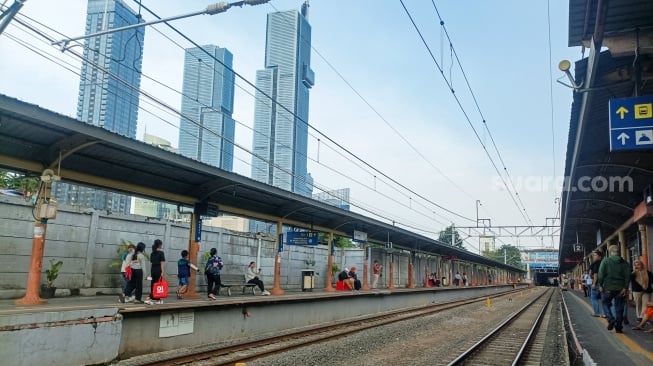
(252, 277)
(346, 279)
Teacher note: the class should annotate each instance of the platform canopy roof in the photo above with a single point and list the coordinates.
(590, 217)
(33, 139)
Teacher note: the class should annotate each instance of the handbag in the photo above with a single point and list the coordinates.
(128, 272)
(160, 290)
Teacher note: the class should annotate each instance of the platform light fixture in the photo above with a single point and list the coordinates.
(565, 66)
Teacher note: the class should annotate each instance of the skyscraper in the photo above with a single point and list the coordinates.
(207, 129)
(108, 92)
(280, 138)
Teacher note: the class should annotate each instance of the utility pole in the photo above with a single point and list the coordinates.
(504, 255)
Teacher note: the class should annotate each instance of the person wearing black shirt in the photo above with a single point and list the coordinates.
(595, 294)
(158, 260)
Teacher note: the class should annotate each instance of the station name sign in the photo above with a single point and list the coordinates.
(302, 238)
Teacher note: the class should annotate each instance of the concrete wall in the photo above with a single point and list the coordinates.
(87, 242)
(75, 337)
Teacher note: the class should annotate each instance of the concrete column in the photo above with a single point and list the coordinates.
(644, 244)
(90, 249)
(623, 245)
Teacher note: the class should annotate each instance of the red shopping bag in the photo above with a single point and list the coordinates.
(160, 289)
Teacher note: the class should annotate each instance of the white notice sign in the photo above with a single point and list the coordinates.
(177, 323)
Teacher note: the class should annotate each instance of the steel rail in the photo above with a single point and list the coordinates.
(253, 349)
(462, 358)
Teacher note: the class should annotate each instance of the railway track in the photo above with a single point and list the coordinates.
(514, 342)
(253, 349)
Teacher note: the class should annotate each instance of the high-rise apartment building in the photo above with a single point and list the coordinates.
(281, 130)
(206, 128)
(108, 89)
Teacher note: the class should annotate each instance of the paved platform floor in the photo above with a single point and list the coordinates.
(603, 346)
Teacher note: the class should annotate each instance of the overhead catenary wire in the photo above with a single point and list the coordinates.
(466, 115)
(280, 105)
(478, 108)
(177, 113)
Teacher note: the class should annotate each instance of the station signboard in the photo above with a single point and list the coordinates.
(302, 238)
(631, 123)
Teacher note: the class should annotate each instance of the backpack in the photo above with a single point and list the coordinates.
(213, 266)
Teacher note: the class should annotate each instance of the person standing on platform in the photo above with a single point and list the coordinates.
(586, 288)
(183, 273)
(252, 277)
(212, 271)
(593, 283)
(376, 271)
(456, 279)
(137, 262)
(465, 279)
(572, 283)
(158, 260)
(641, 282)
(614, 277)
(123, 267)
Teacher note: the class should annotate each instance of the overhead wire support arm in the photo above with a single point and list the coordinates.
(216, 8)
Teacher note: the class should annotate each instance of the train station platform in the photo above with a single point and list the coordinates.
(100, 329)
(603, 347)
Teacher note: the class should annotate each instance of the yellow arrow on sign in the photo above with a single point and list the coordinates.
(621, 111)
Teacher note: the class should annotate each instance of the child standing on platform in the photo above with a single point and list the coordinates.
(183, 273)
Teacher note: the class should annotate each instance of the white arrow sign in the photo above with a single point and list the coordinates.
(623, 137)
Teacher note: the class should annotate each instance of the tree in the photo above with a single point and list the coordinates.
(507, 254)
(18, 181)
(340, 241)
(446, 237)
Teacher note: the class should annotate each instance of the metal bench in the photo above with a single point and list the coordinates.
(227, 281)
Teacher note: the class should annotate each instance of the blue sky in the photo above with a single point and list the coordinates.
(503, 47)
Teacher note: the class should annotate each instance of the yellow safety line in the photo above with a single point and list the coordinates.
(623, 337)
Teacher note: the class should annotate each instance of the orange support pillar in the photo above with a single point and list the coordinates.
(329, 271)
(411, 276)
(34, 277)
(426, 276)
(193, 251)
(365, 286)
(276, 290)
(391, 282)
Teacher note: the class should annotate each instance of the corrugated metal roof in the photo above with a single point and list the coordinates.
(590, 211)
(621, 15)
(31, 139)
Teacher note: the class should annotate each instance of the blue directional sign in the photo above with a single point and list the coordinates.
(631, 123)
(302, 238)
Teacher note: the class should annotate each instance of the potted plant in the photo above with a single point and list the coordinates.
(51, 274)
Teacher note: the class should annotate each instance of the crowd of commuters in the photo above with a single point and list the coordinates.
(609, 282)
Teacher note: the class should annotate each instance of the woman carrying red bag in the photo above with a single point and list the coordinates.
(158, 260)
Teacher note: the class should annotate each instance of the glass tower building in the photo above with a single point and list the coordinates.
(280, 138)
(108, 90)
(206, 128)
